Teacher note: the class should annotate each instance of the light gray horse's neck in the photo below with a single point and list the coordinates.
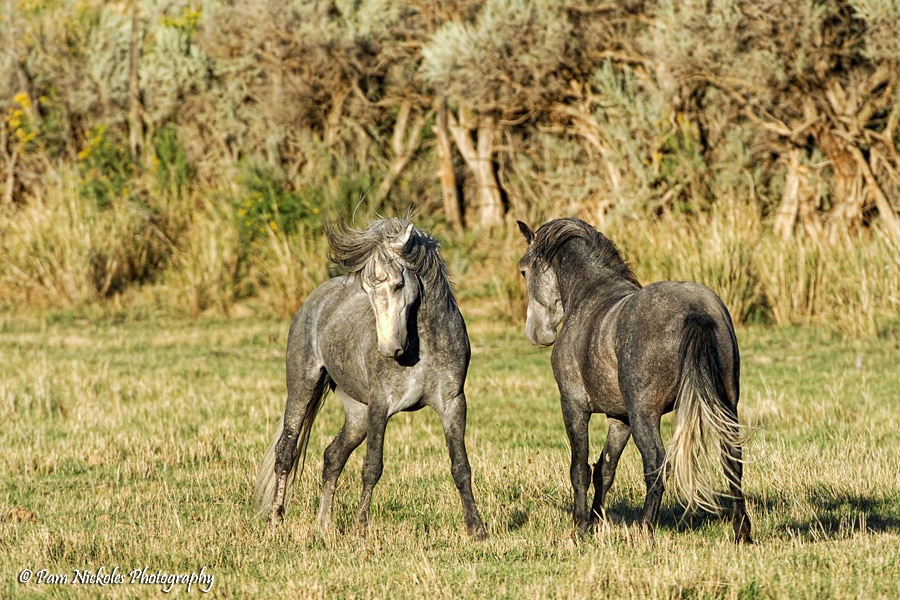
(439, 313)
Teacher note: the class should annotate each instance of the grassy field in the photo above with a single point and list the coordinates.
(133, 444)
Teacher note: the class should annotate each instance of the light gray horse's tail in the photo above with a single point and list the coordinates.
(706, 423)
(266, 480)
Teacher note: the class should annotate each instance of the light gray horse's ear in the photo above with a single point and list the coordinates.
(400, 242)
(526, 231)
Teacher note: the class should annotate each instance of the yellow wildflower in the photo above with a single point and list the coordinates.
(22, 100)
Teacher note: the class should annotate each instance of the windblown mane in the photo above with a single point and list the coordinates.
(357, 250)
(550, 238)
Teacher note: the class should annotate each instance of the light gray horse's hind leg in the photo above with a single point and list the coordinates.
(339, 450)
(605, 469)
(301, 408)
(453, 418)
(307, 382)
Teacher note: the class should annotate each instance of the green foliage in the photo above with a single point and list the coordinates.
(172, 169)
(264, 118)
(106, 167)
(512, 59)
(265, 205)
(681, 166)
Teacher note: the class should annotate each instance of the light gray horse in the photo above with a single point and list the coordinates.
(387, 337)
(635, 353)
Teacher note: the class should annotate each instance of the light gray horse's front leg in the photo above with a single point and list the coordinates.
(339, 450)
(453, 417)
(373, 465)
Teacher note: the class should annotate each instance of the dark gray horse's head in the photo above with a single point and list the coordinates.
(545, 309)
(377, 256)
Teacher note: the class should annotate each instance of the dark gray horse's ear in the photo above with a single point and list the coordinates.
(526, 231)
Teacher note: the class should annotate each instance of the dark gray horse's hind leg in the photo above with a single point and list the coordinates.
(645, 429)
(453, 418)
(605, 469)
(731, 461)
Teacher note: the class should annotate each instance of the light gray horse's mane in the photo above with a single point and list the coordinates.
(356, 250)
(553, 235)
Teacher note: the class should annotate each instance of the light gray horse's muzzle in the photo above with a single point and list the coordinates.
(391, 350)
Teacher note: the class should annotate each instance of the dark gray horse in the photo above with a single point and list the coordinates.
(635, 353)
(388, 337)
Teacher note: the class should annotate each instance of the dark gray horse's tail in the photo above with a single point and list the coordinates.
(266, 480)
(704, 417)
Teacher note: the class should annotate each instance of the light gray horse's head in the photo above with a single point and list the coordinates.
(545, 309)
(392, 289)
(377, 257)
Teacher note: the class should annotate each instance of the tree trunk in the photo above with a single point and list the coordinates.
(404, 144)
(885, 210)
(135, 108)
(449, 193)
(488, 185)
(848, 195)
(480, 159)
(10, 160)
(798, 201)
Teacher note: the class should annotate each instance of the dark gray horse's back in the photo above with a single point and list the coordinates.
(649, 333)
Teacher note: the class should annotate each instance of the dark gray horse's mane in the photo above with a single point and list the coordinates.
(356, 250)
(550, 238)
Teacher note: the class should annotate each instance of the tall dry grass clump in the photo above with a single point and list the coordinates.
(850, 286)
(718, 249)
(205, 268)
(288, 268)
(64, 250)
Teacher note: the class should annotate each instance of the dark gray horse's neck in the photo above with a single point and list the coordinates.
(582, 279)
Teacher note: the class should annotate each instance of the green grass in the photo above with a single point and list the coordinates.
(134, 444)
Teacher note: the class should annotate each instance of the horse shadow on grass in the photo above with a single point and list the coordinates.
(671, 516)
(841, 513)
(837, 515)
